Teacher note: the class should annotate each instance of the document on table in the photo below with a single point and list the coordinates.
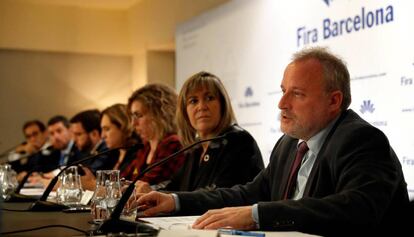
(171, 222)
(32, 191)
(174, 226)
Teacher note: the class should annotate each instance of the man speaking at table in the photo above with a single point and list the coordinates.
(331, 173)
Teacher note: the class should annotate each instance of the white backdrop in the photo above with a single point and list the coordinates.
(248, 44)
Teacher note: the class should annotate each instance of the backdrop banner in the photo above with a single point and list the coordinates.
(249, 43)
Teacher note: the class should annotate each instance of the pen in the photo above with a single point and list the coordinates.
(240, 232)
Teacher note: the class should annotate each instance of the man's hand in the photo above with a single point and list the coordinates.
(230, 217)
(88, 180)
(155, 202)
(142, 187)
(26, 148)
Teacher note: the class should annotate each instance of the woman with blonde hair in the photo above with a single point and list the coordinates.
(204, 111)
(152, 109)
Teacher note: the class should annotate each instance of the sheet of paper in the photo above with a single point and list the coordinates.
(86, 197)
(188, 233)
(171, 222)
(32, 191)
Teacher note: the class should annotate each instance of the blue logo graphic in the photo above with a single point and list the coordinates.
(248, 92)
(327, 2)
(367, 106)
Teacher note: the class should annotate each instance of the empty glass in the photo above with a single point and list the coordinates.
(70, 190)
(8, 181)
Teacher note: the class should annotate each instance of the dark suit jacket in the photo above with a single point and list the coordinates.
(102, 162)
(356, 186)
(48, 161)
(233, 160)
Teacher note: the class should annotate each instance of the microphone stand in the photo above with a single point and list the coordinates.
(114, 224)
(17, 196)
(43, 205)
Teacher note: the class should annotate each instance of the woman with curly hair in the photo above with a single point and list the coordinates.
(152, 109)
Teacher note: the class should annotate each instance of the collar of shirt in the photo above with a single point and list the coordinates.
(95, 148)
(67, 150)
(314, 143)
(46, 145)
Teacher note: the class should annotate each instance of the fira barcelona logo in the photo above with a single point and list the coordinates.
(248, 92)
(367, 106)
(327, 2)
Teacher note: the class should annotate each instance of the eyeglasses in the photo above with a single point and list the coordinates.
(135, 116)
(33, 134)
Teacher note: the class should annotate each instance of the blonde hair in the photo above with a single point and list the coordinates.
(161, 102)
(213, 85)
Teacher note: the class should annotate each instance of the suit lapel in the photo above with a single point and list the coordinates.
(311, 182)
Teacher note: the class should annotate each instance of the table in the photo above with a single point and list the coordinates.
(11, 221)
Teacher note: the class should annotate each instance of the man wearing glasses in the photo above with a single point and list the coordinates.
(24, 156)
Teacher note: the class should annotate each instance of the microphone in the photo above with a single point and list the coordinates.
(16, 196)
(15, 156)
(45, 151)
(7, 152)
(115, 224)
(43, 205)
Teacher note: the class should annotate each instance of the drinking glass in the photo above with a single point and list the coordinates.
(113, 191)
(130, 210)
(105, 193)
(72, 189)
(8, 181)
(98, 204)
(64, 183)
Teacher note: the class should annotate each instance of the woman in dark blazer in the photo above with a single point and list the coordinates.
(204, 111)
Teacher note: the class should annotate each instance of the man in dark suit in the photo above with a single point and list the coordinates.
(64, 150)
(86, 130)
(349, 182)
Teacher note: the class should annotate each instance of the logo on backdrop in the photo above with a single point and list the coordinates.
(327, 2)
(248, 95)
(406, 81)
(407, 161)
(367, 106)
(330, 28)
(248, 92)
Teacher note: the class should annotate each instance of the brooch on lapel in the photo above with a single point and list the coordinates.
(206, 158)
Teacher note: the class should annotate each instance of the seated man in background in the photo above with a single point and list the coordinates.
(331, 173)
(25, 156)
(64, 149)
(86, 130)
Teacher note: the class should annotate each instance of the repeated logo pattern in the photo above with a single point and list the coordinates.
(367, 106)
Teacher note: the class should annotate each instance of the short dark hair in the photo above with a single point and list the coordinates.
(36, 122)
(90, 120)
(57, 119)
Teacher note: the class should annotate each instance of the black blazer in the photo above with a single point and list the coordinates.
(234, 160)
(356, 186)
(47, 161)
